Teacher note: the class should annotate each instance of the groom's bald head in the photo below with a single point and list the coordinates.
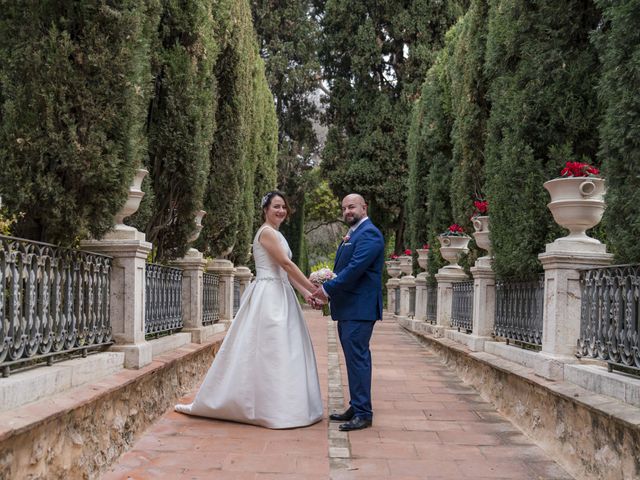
(354, 208)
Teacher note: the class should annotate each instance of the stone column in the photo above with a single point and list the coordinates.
(421, 297)
(562, 262)
(406, 283)
(192, 265)
(446, 277)
(392, 284)
(244, 276)
(129, 250)
(484, 303)
(225, 271)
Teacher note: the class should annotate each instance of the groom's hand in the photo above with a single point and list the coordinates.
(319, 295)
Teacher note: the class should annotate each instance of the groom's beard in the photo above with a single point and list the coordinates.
(353, 220)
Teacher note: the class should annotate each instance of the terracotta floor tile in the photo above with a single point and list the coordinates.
(427, 425)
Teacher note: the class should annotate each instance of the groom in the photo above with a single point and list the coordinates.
(356, 303)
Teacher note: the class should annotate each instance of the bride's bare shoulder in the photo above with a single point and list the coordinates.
(266, 232)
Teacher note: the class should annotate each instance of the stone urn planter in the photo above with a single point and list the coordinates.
(423, 258)
(135, 197)
(198, 221)
(406, 264)
(452, 247)
(394, 270)
(577, 204)
(481, 234)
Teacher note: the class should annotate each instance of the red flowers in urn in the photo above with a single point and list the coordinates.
(579, 169)
(482, 208)
(454, 230)
(407, 252)
(393, 256)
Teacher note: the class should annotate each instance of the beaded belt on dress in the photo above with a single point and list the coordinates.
(272, 279)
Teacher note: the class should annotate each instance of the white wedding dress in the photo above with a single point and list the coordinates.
(265, 372)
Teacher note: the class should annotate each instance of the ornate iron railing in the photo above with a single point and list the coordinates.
(396, 309)
(163, 305)
(210, 304)
(53, 301)
(519, 306)
(610, 316)
(462, 306)
(432, 303)
(412, 301)
(236, 296)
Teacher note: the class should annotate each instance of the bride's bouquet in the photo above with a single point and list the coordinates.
(318, 278)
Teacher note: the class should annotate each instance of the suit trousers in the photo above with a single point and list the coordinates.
(354, 337)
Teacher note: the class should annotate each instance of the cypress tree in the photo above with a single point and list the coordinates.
(227, 179)
(74, 81)
(288, 35)
(618, 43)
(181, 121)
(266, 141)
(470, 111)
(543, 71)
(434, 154)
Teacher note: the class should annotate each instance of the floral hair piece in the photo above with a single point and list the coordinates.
(265, 199)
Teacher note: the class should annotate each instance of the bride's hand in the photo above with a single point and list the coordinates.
(308, 298)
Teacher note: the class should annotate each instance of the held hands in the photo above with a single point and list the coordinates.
(316, 299)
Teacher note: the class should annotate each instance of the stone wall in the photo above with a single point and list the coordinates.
(590, 435)
(78, 434)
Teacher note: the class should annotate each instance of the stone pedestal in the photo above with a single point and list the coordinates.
(484, 303)
(446, 277)
(562, 262)
(406, 282)
(392, 284)
(129, 250)
(192, 265)
(421, 297)
(225, 271)
(243, 274)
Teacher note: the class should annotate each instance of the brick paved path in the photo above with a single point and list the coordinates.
(427, 425)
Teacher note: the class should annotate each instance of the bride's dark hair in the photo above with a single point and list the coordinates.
(268, 198)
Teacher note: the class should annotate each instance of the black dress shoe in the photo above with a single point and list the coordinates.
(356, 423)
(342, 417)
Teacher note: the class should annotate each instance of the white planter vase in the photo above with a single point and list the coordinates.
(423, 258)
(481, 234)
(198, 221)
(452, 248)
(577, 204)
(394, 271)
(135, 197)
(406, 264)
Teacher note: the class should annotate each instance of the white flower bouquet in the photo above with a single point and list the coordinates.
(318, 278)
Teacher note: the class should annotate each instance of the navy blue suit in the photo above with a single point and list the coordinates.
(356, 303)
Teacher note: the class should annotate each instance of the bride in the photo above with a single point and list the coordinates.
(265, 372)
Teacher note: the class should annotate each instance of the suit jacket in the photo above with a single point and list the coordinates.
(356, 292)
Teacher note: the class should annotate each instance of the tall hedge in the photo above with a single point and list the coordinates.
(470, 111)
(431, 156)
(226, 179)
(74, 82)
(618, 43)
(543, 72)
(265, 140)
(181, 120)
